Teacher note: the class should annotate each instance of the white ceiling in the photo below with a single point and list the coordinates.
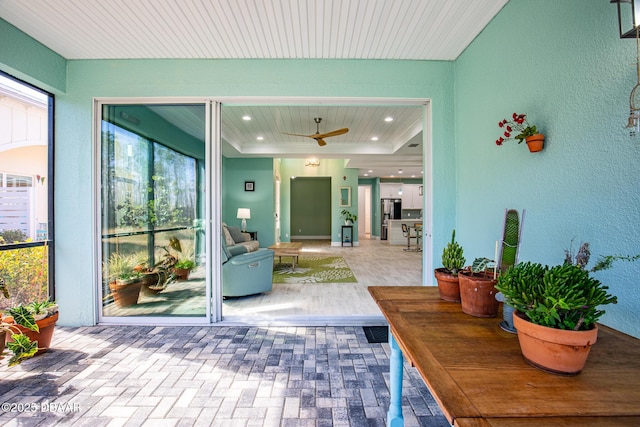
(336, 29)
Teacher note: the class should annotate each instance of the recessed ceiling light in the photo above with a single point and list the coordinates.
(246, 118)
(366, 174)
(399, 170)
(370, 170)
(392, 176)
(388, 119)
(374, 138)
(413, 176)
(260, 138)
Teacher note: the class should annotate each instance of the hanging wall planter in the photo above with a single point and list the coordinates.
(535, 142)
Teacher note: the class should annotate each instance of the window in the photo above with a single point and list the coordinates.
(26, 190)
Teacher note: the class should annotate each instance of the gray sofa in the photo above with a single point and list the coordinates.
(247, 269)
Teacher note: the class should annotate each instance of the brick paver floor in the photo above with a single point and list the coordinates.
(209, 376)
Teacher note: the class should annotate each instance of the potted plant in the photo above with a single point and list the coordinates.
(182, 268)
(477, 289)
(523, 131)
(125, 280)
(447, 276)
(349, 218)
(556, 312)
(24, 335)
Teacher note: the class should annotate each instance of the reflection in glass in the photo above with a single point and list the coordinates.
(152, 206)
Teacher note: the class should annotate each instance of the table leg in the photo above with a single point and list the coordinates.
(394, 415)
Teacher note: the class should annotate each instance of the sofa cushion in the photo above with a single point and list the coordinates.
(251, 245)
(236, 234)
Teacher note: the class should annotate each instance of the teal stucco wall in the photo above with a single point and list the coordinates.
(562, 63)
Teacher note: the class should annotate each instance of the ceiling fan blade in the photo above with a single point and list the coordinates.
(298, 134)
(321, 142)
(332, 133)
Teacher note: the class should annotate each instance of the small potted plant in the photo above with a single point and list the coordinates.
(182, 268)
(519, 128)
(477, 289)
(447, 276)
(349, 218)
(125, 278)
(556, 312)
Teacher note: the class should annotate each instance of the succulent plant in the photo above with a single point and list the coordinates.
(452, 259)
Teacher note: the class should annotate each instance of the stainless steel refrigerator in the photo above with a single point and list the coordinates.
(390, 209)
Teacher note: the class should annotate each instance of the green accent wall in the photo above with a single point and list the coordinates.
(310, 206)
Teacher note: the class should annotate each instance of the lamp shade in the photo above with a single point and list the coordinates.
(244, 213)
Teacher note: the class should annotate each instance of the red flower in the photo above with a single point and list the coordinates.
(517, 126)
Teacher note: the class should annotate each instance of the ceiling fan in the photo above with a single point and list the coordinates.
(320, 136)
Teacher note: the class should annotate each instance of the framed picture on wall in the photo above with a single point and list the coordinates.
(345, 197)
(249, 186)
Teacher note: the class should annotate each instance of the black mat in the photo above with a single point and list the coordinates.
(376, 334)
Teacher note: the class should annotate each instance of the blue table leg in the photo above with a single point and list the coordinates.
(394, 415)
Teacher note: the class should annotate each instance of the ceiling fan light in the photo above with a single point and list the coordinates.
(312, 162)
(374, 138)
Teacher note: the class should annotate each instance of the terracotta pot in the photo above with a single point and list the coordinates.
(478, 294)
(448, 285)
(3, 339)
(535, 142)
(125, 294)
(43, 337)
(182, 273)
(557, 351)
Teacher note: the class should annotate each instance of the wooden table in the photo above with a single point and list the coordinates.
(478, 376)
(287, 249)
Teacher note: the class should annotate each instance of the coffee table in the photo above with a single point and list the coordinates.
(286, 249)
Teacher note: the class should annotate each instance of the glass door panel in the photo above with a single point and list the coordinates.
(153, 169)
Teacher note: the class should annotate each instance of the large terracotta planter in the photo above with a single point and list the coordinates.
(557, 351)
(535, 142)
(478, 294)
(44, 336)
(125, 294)
(448, 285)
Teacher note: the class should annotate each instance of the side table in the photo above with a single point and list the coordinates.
(347, 235)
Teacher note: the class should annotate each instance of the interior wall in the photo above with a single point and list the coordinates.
(261, 201)
(572, 75)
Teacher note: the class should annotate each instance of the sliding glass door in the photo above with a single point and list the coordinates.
(153, 172)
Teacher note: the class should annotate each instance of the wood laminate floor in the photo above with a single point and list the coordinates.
(374, 263)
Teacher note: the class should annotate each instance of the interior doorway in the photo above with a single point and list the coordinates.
(364, 211)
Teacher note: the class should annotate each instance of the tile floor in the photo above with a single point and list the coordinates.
(209, 376)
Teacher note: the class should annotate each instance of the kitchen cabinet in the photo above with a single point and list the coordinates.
(411, 197)
(390, 190)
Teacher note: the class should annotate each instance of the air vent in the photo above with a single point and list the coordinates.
(413, 145)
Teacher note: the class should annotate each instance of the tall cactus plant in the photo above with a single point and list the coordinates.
(510, 239)
(452, 258)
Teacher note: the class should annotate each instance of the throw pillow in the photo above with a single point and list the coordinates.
(227, 237)
(236, 234)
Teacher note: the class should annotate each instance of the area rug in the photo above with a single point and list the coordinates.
(314, 269)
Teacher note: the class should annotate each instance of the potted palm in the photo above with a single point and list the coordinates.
(556, 313)
(447, 276)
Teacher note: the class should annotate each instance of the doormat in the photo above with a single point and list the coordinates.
(313, 269)
(376, 334)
